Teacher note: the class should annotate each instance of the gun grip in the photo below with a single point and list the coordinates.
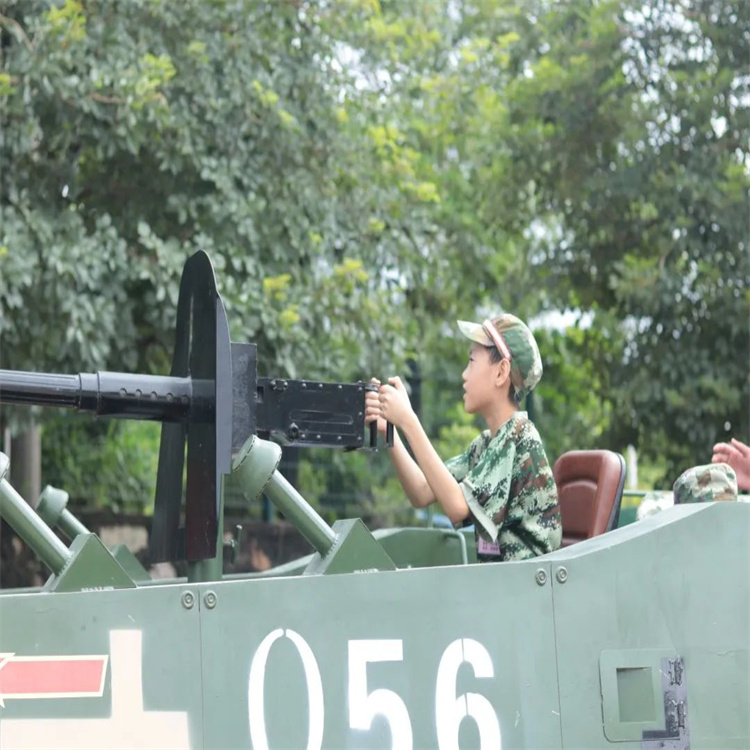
(389, 435)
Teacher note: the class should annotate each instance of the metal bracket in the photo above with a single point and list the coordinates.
(644, 698)
(676, 735)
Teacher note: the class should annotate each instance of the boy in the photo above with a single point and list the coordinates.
(503, 482)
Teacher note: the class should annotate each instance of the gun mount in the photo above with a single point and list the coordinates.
(209, 405)
(87, 564)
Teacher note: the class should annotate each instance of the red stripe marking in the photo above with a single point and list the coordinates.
(52, 676)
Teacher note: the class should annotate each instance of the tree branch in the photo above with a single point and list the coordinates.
(13, 24)
(106, 99)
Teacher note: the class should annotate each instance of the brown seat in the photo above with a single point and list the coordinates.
(589, 488)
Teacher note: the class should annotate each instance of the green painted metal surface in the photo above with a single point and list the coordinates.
(422, 548)
(357, 644)
(353, 550)
(100, 670)
(571, 650)
(53, 511)
(678, 582)
(90, 567)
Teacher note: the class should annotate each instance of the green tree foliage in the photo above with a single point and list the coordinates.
(634, 127)
(137, 132)
(103, 463)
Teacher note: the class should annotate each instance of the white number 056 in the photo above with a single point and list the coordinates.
(364, 706)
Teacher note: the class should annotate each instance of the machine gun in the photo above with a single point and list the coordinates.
(210, 405)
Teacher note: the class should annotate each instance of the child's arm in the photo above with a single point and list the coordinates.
(445, 488)
(395, 407)
(410, 475)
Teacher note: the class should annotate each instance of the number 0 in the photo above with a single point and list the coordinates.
(257, 684)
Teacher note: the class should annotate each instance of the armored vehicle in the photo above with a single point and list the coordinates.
(636, 638)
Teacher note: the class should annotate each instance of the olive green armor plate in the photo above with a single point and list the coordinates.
(635, 639)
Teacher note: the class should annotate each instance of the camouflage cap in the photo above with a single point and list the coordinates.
(516, 337)
(654, 501)
(704, 484)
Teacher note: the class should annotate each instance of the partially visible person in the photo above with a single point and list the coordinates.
(706, 484)
(654, 501)
(503, 482)
(737, 455)
(699, 484)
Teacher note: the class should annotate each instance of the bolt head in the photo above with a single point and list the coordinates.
(562, 575)
(188, 600)
(210, 600)
(541, 577)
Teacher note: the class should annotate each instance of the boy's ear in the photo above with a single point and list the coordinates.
(503, 373)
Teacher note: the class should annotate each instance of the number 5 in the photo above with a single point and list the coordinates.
(364, 706)
(451, 710)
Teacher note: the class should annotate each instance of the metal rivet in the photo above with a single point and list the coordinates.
(188, 600)
(541, 577)
(209, 600)
(562, 575)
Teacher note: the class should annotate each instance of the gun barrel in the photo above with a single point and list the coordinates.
(111, 394)
(39, 389)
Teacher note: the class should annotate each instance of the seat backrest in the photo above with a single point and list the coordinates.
(589, 489)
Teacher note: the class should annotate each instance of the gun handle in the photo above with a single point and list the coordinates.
(373, 434)
(389, 435)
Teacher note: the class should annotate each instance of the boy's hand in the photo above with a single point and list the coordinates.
(395, 406)
(737, 455)
(372, 408)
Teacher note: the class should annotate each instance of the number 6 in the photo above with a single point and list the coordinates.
(451, 710)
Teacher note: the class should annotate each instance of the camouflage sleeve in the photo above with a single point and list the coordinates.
(530, 523)
(487, 486)
(459, 466)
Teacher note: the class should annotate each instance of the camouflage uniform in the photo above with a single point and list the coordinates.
(511, 493)
(704, 484)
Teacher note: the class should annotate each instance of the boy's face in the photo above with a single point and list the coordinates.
(483, 380)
